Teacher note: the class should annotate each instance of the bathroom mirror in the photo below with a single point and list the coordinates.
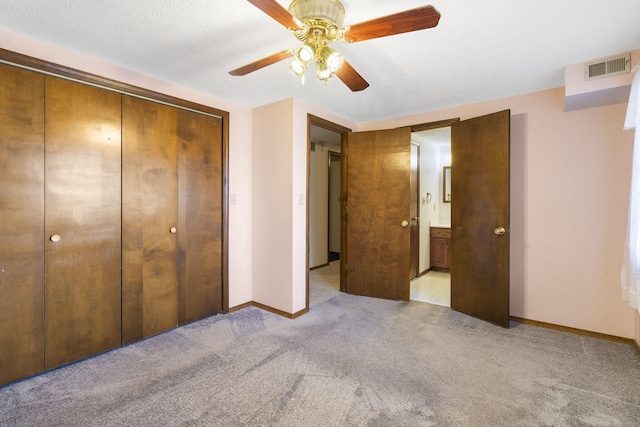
(446, 184)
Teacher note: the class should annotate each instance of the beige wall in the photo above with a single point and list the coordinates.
(570, 178)
(318, 207)
(430, 171)
(272, 205)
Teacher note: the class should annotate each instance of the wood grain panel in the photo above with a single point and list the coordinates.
(82, 193)
(149, 211)
(440, 232)
(378, 200)
(199, 216)
(480, 181)
(21, 223)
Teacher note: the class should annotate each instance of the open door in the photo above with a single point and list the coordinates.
(480, 217)
(377, 165)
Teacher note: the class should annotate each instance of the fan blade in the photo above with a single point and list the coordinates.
(403, 22)
(261, 63)
(351, 78)
(277, 12)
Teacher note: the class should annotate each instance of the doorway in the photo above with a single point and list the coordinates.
(431, 150)
(324, 219)
(432, 284)
(324, 197)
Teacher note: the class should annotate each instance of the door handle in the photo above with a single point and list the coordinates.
(500, 231)
(55, 238)
(415, 218)
(404, 224)
(173, 230)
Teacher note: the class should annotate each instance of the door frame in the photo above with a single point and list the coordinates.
(313, 120)
(62, 71)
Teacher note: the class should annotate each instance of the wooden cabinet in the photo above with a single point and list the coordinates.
(111, 220)
(440, 248)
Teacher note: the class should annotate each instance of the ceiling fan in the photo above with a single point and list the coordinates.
(318, 23)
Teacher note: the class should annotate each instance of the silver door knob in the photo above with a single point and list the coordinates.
(500, 231)
(55, 238)
(173, 230)
(404, 224)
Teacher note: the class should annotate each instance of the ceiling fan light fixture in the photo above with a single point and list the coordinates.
(318, 10)
(318, 23)
(322, 71)
(332, 58)
(298, 67)
(305, 53)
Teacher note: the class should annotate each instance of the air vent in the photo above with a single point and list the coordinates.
(612, 66)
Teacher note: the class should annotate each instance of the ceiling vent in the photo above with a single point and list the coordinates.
(612, 66)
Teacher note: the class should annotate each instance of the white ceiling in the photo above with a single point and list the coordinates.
(481, 49)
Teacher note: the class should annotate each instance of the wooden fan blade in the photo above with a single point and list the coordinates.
(403, 22)
(261, 63)
(351, 78)
(277, 12)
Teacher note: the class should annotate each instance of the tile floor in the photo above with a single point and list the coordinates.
(434, 288)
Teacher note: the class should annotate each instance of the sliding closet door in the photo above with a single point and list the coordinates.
(200, 216)
(21, 223)
(149, 219)
(82, 221)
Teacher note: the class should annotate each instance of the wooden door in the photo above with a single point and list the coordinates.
(82, 221)
(21, 223)
(479, 210)
(415, 212)
(377, 219)
(149, 218)
(199, 216)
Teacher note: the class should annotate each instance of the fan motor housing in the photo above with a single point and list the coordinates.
(318, 10)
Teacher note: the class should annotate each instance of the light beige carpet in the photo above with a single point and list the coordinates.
(350, 361)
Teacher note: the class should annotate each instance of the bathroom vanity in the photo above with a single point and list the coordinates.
(440, 248)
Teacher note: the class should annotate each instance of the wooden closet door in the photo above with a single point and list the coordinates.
(200, 216)
(149, 215)
(82, 221)
(21, 223)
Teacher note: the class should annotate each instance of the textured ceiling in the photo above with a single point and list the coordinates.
(481, 49)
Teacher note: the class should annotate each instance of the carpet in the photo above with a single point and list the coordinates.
(324, 283)
(350, 361)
